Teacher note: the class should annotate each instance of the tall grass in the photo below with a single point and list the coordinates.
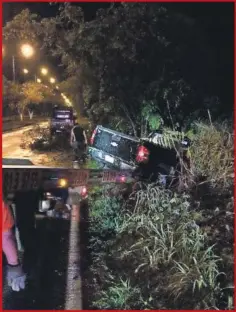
(213, 153)
(165, 249)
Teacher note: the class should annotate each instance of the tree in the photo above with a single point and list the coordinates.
(33, 94)
(134, 59)
(30, 97)
(61, 37)
(24, 27)
(134, 54)
(12, 96)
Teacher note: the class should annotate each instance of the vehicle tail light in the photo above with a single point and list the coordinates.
(93, 136)
(142, 154)
(123, 179)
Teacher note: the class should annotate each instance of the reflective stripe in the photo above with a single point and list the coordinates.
(7, 218)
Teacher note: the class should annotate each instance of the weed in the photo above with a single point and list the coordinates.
(166, 248)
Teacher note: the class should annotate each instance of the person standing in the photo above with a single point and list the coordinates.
(78, 141)
(15, 276)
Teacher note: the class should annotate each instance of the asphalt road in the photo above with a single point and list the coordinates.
(51, 278)
(11, 142)
(11, 148)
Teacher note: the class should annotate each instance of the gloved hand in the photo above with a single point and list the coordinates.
(16, 277)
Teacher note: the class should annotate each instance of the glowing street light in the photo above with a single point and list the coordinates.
(25, 71)
(52, 80)
(39, 80)
(44, 71)
(27, 50)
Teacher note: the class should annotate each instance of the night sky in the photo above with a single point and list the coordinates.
(216, 20)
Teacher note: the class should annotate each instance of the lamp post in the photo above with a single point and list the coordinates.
(27, 51)
(14, 68)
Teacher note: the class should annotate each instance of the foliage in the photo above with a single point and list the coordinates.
(23, 28)
(12, 96)
(27, 96)
(105, 213)
(39, 139)
(153, 78)
(213, 150)
(165, 249)
(128, 83)
(118, 296)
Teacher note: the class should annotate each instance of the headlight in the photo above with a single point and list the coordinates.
(62, 183)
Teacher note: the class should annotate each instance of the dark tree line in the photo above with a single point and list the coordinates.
(134, 66)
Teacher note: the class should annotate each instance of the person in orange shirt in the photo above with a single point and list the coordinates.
(15, 275)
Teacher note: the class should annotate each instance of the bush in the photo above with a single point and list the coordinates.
(169, 249)
(39, 139)
(213, 153)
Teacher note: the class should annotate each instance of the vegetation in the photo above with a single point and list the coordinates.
(168, 249)
(129, 85)
(151, 248)
(106, 67)
(27, 98)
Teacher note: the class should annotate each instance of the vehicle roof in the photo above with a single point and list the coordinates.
(119, 133)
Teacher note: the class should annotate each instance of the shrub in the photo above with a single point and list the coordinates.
(39, 138)
(120, 295)
(170, 249)
(213, 153)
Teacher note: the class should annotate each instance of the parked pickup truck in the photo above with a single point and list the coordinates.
(113, 149)
(148, 157)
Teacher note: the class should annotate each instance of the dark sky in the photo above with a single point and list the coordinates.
(216, 20)
(47, 10)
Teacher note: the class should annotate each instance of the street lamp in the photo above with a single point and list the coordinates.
(27, 50)
(25, 71)
(39, 80)
(52, 80)
(44, 71)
